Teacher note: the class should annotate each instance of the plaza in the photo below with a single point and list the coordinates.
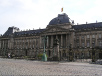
(21, 67)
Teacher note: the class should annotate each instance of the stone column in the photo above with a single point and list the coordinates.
(61, 40)
(51, 40)
(90, 40)
(96, 40)
(66, 40)
(85, 42)
(80, 44)
(40, 42)
(47, 41)
(72, 38)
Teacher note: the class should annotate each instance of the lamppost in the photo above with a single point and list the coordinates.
(44, 57)
(93, 53)
(70, 53)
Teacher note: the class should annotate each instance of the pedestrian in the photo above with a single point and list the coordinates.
(9, 55)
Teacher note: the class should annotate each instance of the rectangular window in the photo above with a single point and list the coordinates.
(99, 35)
(88, 36)
(100, 43)
(88, 44)
(30, 46)
(77, 37)
(33, 45)
(93, 43)
(83, 44)
(93, 36)
(82, 37)
(77, 45)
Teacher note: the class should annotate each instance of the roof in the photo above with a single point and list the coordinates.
(87, 26)
(10, 31)
(61, 19)
(30, 32)
(15, 31)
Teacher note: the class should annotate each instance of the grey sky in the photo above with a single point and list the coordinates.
(29, 14)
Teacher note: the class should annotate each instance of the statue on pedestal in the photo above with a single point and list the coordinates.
(56, 56)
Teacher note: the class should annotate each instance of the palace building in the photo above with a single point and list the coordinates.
(30, 42)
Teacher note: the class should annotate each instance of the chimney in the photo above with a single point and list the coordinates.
(96, 21)
(86, 22)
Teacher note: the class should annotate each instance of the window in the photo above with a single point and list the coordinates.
(83, 44)
(100, 43)
(82, 37)
(87, 36)
(27, 40)
(93, 43)
(33, 45)
(88, 44)
(30, 40)
(23, 46)
(99, 35)
(78, 45)
(93, 36)
(77, 37)
(30, 46)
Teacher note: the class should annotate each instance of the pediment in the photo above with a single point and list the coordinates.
(54, 29)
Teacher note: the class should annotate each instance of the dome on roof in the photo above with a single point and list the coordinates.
(61, 19)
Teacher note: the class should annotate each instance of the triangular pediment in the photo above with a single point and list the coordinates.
(54, 29)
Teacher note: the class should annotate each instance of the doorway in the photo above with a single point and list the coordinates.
(49, 53)
(100, 55)
(26, 53)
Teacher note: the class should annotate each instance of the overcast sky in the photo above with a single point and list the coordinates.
(29, 14)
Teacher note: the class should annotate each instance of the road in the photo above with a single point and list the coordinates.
(15, 67)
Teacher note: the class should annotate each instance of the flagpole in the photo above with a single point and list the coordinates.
(62, 9)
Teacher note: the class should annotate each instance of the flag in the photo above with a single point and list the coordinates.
(61, 9)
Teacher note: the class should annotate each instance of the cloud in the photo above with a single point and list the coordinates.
(4, 3)
(28, 14)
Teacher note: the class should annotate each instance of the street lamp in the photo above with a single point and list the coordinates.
(93, 53)
(44, 57)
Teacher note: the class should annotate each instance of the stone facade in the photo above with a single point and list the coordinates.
(30, 42)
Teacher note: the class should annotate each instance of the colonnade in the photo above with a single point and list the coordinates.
(63, 39)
